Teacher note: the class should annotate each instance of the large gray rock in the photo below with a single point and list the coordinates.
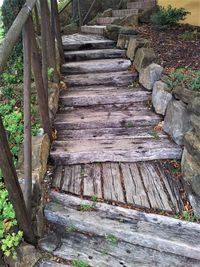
(149, 75)
(191, 171)
(192, 143)
(112, 32)
(27, 256)
(194, 106)
(161, 97)
(143, 58)
(187, 96)
(195, 120)
(134, 44)
(177, 121)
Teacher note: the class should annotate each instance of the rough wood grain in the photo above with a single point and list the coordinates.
(117, 150)
(92, 180)
(77, 42)
(153, 186)
(72, 179)
(57, 177)
(94, 54)
(158, 237)
(85, 118)
(120, 78)
(94, 66)
(135, 192)
(101, 97)
(112, 182)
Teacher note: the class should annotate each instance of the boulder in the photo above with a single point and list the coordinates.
(194, 106)
(195, 121)
(124, 36)
(134, 44)
(161, 97)
(130, 21)
(192, 144)
(27, 256)
(143, 58)
(145, 16)
(191, 171)
(149, 75)
(177, 121)
(107, 13)
(112, 32)
(187, 96)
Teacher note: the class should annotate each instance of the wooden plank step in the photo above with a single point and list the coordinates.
(124, 12)
(94, 54)
(144, 4)
(145, 234)
(112, 150)
(96, 29)
(111, 133)
(50, 263)
(120, 78)
(101, 96)
(93, 66)
(108, 20)
(122, 182)
(106, 117)
(75, 42)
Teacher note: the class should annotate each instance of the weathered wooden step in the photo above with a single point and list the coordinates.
(144, 185)
(102, 96)
(108, 20)
(144, 4)
(83, 42)
(96, 29)
(127, 237)
(106, 116)
(120, 78)
(94, 54)
(113, 150)
(110, 133)
(124, 12)
(93, 66)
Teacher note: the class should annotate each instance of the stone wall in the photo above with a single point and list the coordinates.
(180, 108)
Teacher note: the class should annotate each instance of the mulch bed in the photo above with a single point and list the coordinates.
(171, 49)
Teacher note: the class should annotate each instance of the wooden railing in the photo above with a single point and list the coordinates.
(50, 37)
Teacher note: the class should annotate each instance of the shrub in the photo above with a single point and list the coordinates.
(166, 17)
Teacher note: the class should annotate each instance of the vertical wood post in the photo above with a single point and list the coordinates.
(79, 14)
(44, 47)
(39, 83)
(37, 20)
(56, 28)
(27, 118)
(13, 187)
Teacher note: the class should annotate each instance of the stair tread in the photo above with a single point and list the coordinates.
(96, 65)
(143, 233)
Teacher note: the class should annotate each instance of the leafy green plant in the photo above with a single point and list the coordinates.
(154, 135)
(70, 229)
(183, 76)
(9, 239)
(50, 73)
(169, 16)
(113, 239)
(94, 198)
(86, 207)
(192, 35)
(79, 263)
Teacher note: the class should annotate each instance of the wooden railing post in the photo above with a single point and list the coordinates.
(13, 187)
(56, 28)
(39, 83)
(27, 118)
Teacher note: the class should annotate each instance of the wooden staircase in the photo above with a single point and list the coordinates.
(133, 8)
(108, 151)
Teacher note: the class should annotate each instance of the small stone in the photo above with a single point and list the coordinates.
(143, 58)
(194, 106)
(134, 44)
(123, 40)
(191, 171)
(177, 121)
(149, 75)
(161, 97)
